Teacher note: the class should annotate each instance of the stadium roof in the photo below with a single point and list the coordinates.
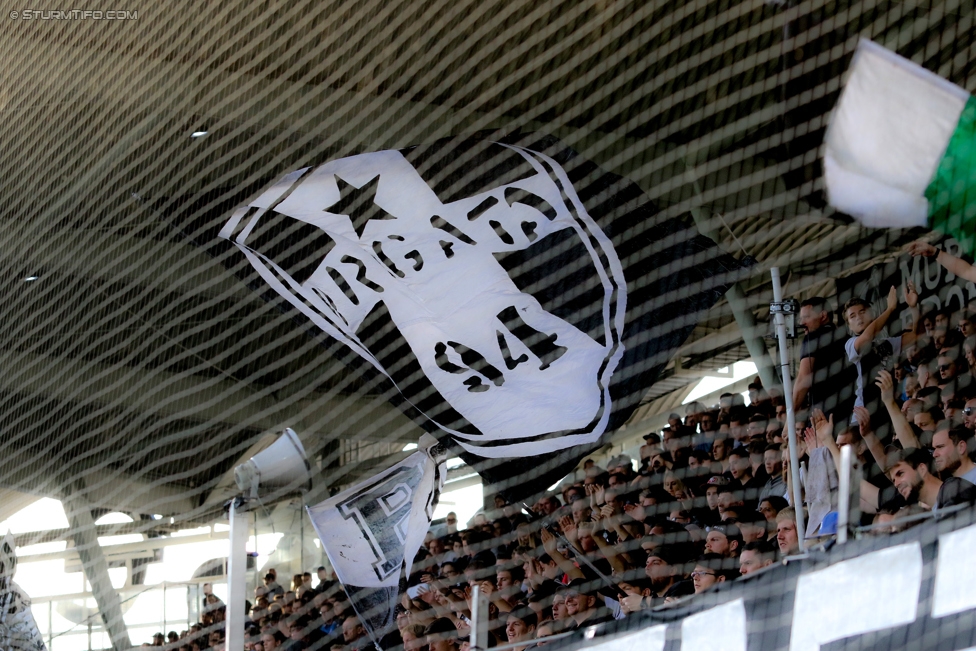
(138, 369)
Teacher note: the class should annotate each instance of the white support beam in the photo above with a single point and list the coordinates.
(93, 561)
(127, 550)
(236, 576)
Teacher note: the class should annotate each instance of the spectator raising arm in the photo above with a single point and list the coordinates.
(824, 428)
(610, 552)
(495, 597)
(550, 545)
(825, 436)
(871, 439)
(903, 430)
(951, 263)
(863, 341)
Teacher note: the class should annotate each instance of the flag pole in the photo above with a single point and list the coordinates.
(236, 573)
(784, 361)
(844, 494)
(479, 619)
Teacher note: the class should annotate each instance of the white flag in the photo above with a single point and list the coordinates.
(374, 529)
(366, 237)
(18, 631)
(888, 133)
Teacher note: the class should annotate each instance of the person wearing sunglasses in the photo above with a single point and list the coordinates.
(951, 363)
(969, 415)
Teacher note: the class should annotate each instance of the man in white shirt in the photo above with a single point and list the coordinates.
(857, 314)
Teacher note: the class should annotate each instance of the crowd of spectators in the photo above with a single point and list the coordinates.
(708, 501)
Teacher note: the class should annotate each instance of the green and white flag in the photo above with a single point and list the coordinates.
(901, 148)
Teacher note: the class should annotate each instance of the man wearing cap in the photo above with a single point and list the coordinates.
(723, 539)
(663, 568)
(908, 470)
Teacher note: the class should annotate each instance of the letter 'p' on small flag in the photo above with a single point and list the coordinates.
(374, 529)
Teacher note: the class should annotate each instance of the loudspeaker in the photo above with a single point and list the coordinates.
(280, 464)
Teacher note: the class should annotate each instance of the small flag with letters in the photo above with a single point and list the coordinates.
(374, 529)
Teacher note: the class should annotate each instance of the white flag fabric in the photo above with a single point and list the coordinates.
(374, 529)
(527, 380)
(887, 134)
(482, 278)
(18, 631)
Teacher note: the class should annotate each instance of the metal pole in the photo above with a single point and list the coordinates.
(236, 575)
(752, 336)
(784, 361)
(844, 494)
(479, 620)
(257, 575)
(579, 556)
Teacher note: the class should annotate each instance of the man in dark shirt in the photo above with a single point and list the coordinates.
(909, 471)
(741, 468)
(584, 605)
(824, 375)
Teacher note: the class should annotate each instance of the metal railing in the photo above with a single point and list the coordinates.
(88, 633)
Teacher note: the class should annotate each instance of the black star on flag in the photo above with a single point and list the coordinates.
(359, 204)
